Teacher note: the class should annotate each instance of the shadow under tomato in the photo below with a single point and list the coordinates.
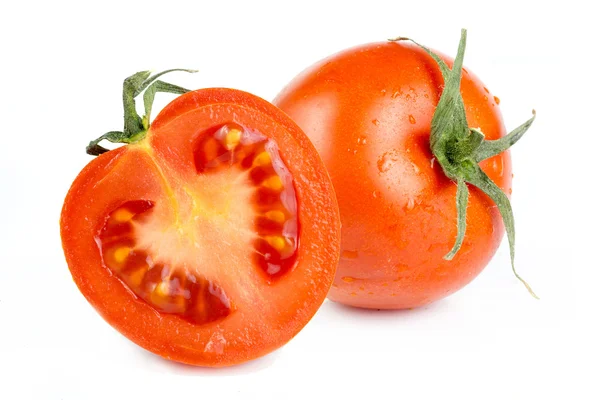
(157, 363)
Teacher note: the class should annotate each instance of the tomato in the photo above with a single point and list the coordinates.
(369, 112)
(213, 237)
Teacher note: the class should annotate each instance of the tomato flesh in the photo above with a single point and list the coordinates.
(189, 242)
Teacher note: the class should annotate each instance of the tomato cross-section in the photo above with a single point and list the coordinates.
(211, 241)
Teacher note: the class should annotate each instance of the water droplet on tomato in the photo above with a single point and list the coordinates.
(510, 191)
(485, 98)
(498, 165)
(496, 100)
(412, 119)
(383, 91)
(375, 122)
(387, 160)
(395, 94)
(410, 204)
(348, 279)
(361, 140)
(486, 89)
(416, 168)
(375, 194)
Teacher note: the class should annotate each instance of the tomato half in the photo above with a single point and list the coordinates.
(213, 240)
(368, 110)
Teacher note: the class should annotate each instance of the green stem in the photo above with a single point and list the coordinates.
(134, 126)
(459, 149)
(133, 122)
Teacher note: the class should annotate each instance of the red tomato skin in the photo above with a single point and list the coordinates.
(245, 334)
(368, 111)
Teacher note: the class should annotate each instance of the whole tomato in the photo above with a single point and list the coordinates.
(389, 122)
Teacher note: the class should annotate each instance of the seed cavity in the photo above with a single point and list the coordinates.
(232, 146)
(167, 289)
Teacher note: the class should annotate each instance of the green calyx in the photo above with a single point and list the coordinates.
(459, 149)
(135, 127)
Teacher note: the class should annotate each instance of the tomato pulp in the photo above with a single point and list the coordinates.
(368, 110)
(211, 241)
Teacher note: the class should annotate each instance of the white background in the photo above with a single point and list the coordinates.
(62, 64)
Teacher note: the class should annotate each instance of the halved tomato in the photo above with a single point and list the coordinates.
(213, 238)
